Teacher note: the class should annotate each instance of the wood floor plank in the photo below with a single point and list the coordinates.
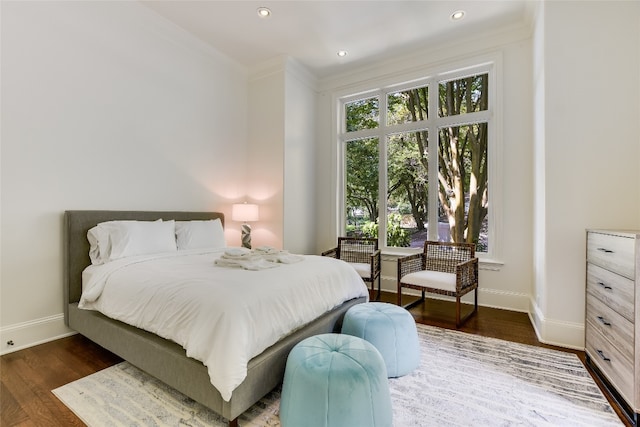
(29, 375)
(11, 412)
(34, 400)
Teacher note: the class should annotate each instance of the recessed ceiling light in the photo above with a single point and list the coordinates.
(457, 15)
(342, 53)
(264, 12)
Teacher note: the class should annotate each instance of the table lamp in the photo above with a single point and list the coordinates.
(245, 212)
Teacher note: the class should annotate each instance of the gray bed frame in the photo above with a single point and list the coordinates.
(162, 358)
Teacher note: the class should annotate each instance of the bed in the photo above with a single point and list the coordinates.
(163, 358)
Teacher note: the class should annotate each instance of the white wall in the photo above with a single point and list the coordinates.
(265, 155)
(589, 149)
(299, 160)
(538, 291)
(506, 285)
(105, 105)
(281, 163)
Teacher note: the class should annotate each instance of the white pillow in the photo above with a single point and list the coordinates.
(143, 238)
(200, 234)
(118, 239)
(99, 244)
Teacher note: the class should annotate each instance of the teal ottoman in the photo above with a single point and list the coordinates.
(335, 380)
(391, 329)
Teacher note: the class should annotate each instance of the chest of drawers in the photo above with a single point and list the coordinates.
(612, 326)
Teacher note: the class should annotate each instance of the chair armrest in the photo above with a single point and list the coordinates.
(375, 263)
(333, 253)
(467, 274)
(410, 264)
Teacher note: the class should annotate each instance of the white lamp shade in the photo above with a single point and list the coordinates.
(244, 212)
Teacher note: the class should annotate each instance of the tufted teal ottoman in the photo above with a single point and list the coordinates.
(391, 329)
(335, 380)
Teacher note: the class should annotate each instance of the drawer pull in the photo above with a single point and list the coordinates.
(604, 321)
(602, 356)
(605, 286)
(606, 251)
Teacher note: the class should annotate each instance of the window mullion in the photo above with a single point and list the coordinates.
(408, 127)
(342, 179)
(382, 171)
(463, 119)
(433, 160)
(360, 134)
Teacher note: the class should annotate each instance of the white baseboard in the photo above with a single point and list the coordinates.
(27, 334)
(554, 332)
(503, 300)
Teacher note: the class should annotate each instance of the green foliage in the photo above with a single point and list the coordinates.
(407, 106)
(370, 229)
(404, 208)
(464, 95)
(396, 235)
(362, 114)
(407, 172)
(362, 176)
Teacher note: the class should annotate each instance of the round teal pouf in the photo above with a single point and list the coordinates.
(391, 329)
(335, 380)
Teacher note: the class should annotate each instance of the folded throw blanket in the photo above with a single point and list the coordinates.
(257, 259)
(266, 250)
(237, 253)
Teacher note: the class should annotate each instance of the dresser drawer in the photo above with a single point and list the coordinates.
(615, 328)
(613, 290)
(613, 365)
(615, 253)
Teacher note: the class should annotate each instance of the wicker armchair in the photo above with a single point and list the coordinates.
(442, 268)
(363, 254)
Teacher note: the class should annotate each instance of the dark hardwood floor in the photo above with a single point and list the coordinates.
(28, 376)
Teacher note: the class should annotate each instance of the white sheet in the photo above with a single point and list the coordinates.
(223, 317)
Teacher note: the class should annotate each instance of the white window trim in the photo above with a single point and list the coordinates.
(491, 63)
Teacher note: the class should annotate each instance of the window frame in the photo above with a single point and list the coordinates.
(490, 64)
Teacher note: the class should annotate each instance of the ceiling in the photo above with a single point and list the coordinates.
(313, 32)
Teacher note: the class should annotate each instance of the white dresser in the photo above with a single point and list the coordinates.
(612, 327)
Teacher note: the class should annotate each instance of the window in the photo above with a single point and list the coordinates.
(424, 146)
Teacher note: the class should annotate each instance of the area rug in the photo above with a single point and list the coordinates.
(463, 380)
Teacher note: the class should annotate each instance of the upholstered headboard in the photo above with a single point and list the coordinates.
(76, 245)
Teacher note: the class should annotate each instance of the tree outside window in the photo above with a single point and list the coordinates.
(393, 156)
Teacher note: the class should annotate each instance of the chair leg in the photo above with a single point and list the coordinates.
(459, 321)
(379, 285)
(411, 304)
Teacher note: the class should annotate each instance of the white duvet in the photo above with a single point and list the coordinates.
(222, 316)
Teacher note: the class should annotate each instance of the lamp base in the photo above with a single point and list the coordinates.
(246, 236)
